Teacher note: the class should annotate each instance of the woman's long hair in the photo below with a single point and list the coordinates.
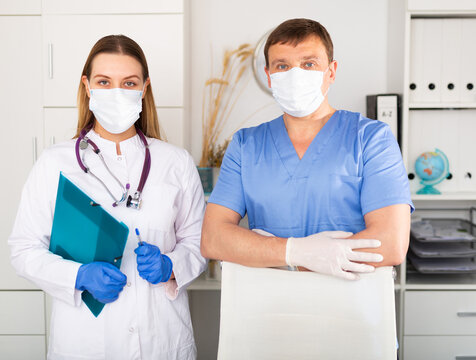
(148, 120)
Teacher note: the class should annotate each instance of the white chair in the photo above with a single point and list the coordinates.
(278, 314)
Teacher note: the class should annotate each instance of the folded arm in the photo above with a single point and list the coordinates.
(224, 239)
(390, 225)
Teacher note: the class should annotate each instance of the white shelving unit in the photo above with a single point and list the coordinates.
(437, 317)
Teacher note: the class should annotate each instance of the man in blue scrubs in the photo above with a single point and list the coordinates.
(320, 184)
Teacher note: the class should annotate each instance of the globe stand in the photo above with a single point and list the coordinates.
(428, 190)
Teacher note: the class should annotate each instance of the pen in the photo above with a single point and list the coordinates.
(138, 237)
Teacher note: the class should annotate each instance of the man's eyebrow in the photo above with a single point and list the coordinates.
(277, 60)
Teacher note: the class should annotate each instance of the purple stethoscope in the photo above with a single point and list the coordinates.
(132, 201)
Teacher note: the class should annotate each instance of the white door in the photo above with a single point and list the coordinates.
(67, 40)
(20, 117)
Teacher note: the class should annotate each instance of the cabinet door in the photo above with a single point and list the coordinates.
(112, 6)
(24, 7)
(22, 347)
(20, 113)
(22, 312)
(440, 313)
(59, 125)
(68, 39)
(439, 347)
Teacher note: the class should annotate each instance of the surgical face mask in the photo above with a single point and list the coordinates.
(298, 91)
(116, 109)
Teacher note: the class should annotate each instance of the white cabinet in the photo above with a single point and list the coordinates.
(455, 310)
(22, 325)
(42, 58)
(23, 347)
(112, 6)
(59, 125)
(20, 116)
(23, 7)
(440, 347)
(67, 40)
(22, 312)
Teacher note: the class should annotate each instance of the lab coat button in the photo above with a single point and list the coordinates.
(129, 283)
(131, 329)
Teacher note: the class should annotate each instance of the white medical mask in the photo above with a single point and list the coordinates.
(116, 109)
(298, 91)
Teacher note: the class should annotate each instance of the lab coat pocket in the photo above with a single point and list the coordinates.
(344, 200)
(158, 214)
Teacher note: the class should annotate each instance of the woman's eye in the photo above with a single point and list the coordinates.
(130, 84)
(103, 82)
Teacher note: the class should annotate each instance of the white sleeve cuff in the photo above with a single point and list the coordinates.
(77, 297)
(171, 289)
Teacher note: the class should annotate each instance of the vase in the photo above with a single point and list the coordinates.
(206, 177)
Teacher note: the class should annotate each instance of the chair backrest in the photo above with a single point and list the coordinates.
(278, 314)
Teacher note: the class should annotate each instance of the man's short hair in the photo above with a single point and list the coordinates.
(294, 31)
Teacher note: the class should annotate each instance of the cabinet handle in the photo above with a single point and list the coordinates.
(35, 149)
(50, 61)
(465, 357)
(466, 314)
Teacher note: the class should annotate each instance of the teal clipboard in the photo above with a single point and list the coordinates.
(84, 232)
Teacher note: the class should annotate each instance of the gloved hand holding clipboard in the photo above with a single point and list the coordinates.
(84, 232)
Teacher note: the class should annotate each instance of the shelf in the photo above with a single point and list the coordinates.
(446, 196)
(441, 106)
(202, 283)
(440, 282)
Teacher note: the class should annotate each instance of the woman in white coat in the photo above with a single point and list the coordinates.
(146, 314)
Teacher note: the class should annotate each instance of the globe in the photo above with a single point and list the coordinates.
(432, 168)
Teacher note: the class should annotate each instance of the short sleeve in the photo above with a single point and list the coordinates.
(385, 180)
(228, 191)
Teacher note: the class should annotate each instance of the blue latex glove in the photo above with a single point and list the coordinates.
(103, 280)
(152, 265)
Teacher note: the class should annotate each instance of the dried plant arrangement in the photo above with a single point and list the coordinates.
(220, 95)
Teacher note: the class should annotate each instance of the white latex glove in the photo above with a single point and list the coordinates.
(329, 252)
(262, 232)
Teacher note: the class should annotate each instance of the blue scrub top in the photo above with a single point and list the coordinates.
(353, 166)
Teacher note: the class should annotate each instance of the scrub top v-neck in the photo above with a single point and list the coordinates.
(352, 166)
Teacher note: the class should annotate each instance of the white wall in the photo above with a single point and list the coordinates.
(358, 30)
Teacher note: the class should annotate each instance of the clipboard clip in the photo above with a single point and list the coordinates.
(116, 259)
(92, 203)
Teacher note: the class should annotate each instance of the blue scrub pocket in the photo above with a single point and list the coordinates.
(344, 202)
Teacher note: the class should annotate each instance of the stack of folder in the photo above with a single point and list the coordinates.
(442, 246)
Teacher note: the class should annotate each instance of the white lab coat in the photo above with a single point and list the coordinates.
(147, 321)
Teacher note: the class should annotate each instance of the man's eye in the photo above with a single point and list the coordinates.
(309, 65)
(282, 67)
